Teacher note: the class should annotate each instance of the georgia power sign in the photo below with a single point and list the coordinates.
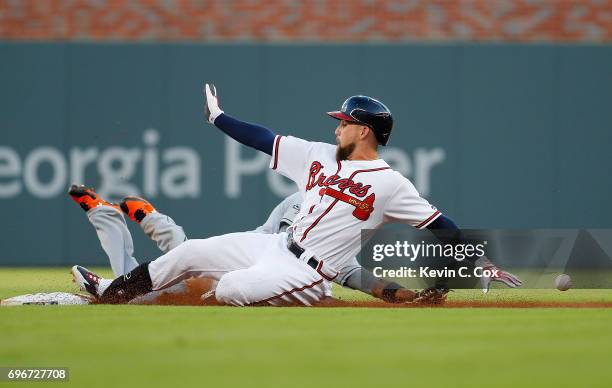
(172, 172)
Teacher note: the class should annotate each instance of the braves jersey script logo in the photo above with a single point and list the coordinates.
(363, 208)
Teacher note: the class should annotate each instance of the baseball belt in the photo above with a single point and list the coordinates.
(322, 269)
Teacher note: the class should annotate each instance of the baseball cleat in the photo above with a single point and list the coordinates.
(87, 198)
(136, 208)
(86, 280)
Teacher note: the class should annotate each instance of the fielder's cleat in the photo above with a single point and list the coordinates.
(87, 198)
(86, 280)
(136, 208)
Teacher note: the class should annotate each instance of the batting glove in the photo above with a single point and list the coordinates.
(211, 107)
(497, 275)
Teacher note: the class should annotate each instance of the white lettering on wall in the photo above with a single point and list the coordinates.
(10, 167)
(174, 172)
(56, 160)
(236, 167)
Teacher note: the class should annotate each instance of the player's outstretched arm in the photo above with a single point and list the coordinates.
(251, 135)
(447, 231)
(365, 281)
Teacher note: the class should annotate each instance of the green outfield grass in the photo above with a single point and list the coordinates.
(152, 346)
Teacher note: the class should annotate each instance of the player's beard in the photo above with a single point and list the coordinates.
(343, 153)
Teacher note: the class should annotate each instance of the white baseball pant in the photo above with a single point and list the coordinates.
(252, 268)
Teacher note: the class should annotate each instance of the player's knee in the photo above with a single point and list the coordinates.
(188, 245)
(184, 255)
(230, 291)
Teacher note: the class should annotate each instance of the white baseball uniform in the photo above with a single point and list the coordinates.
(284, 214)
(340, 199)
(343, 197)
(116, 240)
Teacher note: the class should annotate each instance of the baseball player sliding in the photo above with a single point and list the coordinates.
(345, 188)
(116, 241)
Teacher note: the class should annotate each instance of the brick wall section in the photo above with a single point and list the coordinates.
(307, 20)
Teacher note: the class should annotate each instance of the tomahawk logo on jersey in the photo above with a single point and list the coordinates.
(343, 197)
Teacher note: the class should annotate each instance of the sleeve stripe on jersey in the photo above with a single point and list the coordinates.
(429, 220)
(275, 152)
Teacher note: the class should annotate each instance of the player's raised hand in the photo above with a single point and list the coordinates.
(497, 275)
(211, 104)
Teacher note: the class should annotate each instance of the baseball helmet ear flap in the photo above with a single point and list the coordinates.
(370, 112)
(381, 123)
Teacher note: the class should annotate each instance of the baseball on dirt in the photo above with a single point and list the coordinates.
(563, 282)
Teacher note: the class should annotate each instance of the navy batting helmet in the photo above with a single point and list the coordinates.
(367, 111)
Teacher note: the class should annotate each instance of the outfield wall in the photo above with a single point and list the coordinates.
(495, 135)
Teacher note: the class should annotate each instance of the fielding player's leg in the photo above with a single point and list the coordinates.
(165, 233)
(110, 226)
(159, 227)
